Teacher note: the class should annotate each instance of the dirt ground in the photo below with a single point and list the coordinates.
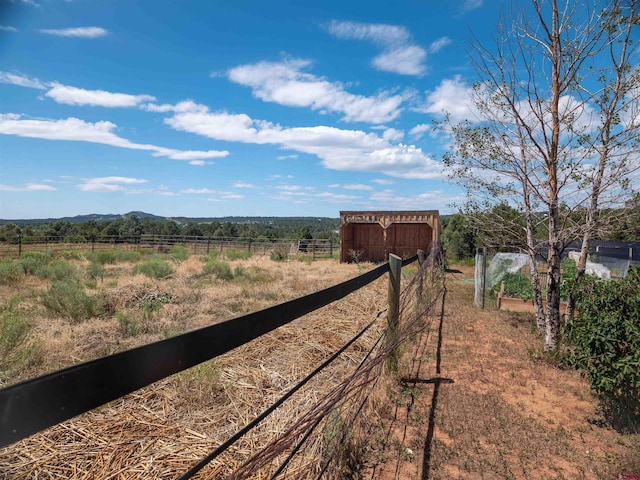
(479, 402)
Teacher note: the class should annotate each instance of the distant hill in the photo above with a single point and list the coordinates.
(110, 217)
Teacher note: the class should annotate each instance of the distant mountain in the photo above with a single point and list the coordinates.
(110, 217)
(100, 218)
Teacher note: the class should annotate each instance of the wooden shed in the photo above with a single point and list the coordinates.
(374, 235)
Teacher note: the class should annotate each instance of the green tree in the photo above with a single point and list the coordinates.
(458, 238)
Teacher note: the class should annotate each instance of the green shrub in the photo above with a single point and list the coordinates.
(10, 271)
(179, 253)
(154, 268)
(219, 269)
(606, 339)
(17, 350)
(95, 271)
(69, 300)
(129, 327)
(32, 261)
(128, 256)
(104, 257)
(237, 254)
(56, 270)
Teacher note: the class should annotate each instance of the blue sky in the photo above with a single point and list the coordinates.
(214, 108)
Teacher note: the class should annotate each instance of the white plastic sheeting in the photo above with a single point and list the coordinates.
(595, 269)
(503, 263)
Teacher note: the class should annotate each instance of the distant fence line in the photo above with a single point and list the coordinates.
(16, 246)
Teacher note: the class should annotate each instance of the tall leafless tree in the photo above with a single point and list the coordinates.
(546, 137)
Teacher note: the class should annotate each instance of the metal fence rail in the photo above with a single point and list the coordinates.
(15, 246)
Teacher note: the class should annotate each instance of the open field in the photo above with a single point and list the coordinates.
(474, 400)
(161, 431)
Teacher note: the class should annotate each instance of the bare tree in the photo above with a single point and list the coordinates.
(538, 139)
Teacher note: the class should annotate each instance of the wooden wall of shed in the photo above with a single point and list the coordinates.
(374, 244)
(405, 239)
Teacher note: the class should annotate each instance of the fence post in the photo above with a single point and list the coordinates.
(420, 275)
(208, 244)
(19, 246)
(249, 244)
(393, 310)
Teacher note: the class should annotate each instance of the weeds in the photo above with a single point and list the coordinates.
(237, 255)
(280, 253)
(69, 300)
(219, 269)
(33, 261)
(55, 271)
(17, 351)
(178, 253)
(129, 327)
(10, 271)
(103, 257)
(95, 271)
(155, 268)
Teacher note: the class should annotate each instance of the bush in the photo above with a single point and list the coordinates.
(103, 257)
(280, 253)
(606, 339)
(128, 256)
(69, 300)
(57, 270)
(155, 268)
(220, 269)
(179, 253)
(95, 271)
(238, 254)
(31, 261)
(16, 348)
(10, 271)
(129, 327)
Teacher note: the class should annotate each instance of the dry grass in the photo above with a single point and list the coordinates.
(162, 430)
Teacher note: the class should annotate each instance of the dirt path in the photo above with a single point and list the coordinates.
(477, 402)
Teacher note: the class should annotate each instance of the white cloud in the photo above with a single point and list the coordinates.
(419, 130)
(353, 186)
(198, 191)
(383, 181)
(21, 80)
(286, 83)
(432, 200)
(452, 96)
(108, 184)
(393, 135)
(240, 184)
(399, 54)
(469, 5)
(7, 28)
(74, 129)
(80, 32)
(29, 187)
(79, 96)
(439, 44)
(352, 150)
(287, 157)
(405, 60)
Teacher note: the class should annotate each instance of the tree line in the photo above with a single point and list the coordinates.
(503, 228)
(134, 226)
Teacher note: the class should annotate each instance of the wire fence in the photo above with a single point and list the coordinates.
(343, 410)
(14, 247)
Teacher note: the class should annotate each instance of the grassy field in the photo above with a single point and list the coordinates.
(476, 398)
